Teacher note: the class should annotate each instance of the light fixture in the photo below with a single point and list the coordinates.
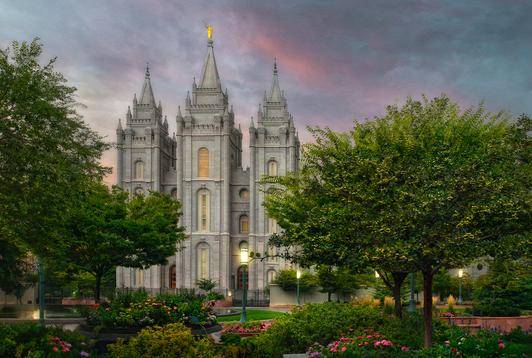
(244, 256)
(460, 273)
(377, 274)
(229, 293)
(298, 274)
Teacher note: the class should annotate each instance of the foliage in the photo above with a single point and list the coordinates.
(47, 153)
(287, 280)
(340, 281)
(172, 340)
(444, 284)
(34, 340)
(206, 284)
(367, 345)
(139, 310)
(484, 344)
(321, 323)
(506, 290)
(107, 230)
(425, 187)
(250, 327)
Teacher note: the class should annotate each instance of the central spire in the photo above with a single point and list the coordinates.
(275, 91)
(146, 95)
(209, 74)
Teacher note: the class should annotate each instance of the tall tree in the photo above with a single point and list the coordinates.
(109, 230)
(427, 186)
(47, 152)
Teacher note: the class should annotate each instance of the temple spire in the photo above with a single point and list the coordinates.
(275, 91)
(209, 74)
(146, 95)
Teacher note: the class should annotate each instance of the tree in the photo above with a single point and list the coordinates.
(109, 230)
(337, 280)
(47, 152)
(426, 187)
(206, 284)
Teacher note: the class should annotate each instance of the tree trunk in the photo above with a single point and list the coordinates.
(329, 296)
(97, 288)
(427, 307)
(397, 299)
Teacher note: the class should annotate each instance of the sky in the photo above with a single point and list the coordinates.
(338, 60)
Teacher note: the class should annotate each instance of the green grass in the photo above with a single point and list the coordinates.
(252, 315)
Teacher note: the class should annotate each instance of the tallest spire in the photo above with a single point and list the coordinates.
(275, 91)
(146, 95)
(209, 74)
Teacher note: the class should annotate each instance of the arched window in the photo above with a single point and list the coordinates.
(244, 224)
(244, 194)
(272, 226)
(173, 276)
(139, 169)
(203, 210)
(173, 193)
(271, 253)
(203, 163)
(272, 168)
(270, 276)
(203, 260)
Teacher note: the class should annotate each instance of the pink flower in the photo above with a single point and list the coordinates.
(344, 348)
(405, 348)
(447, 343)
(55, 349)
(84, 354)
(501, 345)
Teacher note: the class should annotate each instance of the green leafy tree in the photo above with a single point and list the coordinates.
(506, 290)
(206, 284)
(47, 152)
(109, 230)
(423, 188)
(340, 281)
(287, 280)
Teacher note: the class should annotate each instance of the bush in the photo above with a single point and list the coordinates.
(505, 291)
(484, 344)
(139, 310)
(172, 340)
(321, 323)
(34, 340)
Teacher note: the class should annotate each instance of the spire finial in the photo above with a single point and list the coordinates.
(147, 69)
(275, 65)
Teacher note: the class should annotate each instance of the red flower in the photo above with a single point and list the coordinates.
(405, 348)
(55, 349)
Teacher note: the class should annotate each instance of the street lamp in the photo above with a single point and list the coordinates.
(460, 275)
(298, 276)
(244, 264)
(377, 274)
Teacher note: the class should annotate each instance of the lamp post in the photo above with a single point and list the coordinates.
(377, 274)
(460, 275)
(412, 303)
(244, 262)
(298, 276)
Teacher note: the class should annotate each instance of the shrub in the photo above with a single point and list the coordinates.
(206, 284)
(140, 310)
(389, 304)
(505, 291)
(374, 344)
(34, 340)
(320, 323)
(172, 340)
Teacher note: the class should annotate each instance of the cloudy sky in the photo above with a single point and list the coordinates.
(338, 60)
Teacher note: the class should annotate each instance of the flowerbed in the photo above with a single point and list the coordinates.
(247, 328)
(364, 345)
(34, 340)
(137, 311)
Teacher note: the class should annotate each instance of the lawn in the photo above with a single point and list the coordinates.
(252, 315)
